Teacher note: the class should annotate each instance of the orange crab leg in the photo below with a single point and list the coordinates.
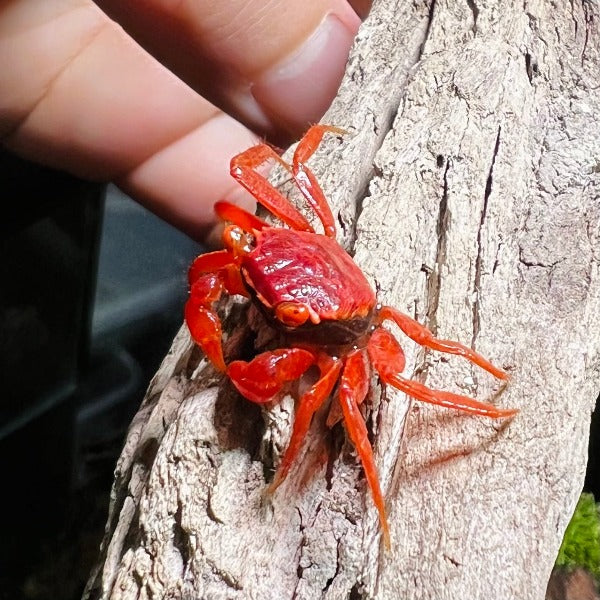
(310, 402)
(386, 355)
(306, 181)
(261, 379)
(354, 385)
(335, 413)
(209, 263)
(203, 323)
(243, 170)
(242, 218)
(209, 275)
(420, 334)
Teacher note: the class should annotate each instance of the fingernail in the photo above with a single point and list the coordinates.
(299, 90)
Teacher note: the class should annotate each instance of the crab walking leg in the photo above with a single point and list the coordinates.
(203, 323)
(209, 275)
(335, 412)
(209, 263)
(354, 385)
(420, 334)
(242, 218)
(384, 351)
(305, 179)
(309, 403)
(222, 262)
(261, 379)
(243, 171)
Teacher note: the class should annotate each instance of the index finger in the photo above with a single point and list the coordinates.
(78, 94)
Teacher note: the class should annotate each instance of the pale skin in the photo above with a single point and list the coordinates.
(158, 96)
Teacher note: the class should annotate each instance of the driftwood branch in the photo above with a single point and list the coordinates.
(468, 189)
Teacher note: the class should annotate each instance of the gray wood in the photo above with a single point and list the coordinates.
(468, 190)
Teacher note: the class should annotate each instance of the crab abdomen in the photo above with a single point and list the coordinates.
(311, 269)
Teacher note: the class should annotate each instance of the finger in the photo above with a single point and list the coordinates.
(276, 65)
(182, 181)
(77, 93)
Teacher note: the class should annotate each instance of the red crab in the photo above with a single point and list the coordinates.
(311, 291)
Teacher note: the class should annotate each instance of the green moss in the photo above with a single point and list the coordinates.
(581, 544)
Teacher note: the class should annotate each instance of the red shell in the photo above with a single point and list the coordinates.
(305, 267)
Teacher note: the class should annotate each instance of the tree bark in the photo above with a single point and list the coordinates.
(468, 191)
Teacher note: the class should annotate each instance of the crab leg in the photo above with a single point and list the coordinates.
(209, 275)
(420, 334)
(309, 403)
(386, 356)
(209, 263)
(261, 379)
(243, 170)
(237, 215)
(354, 385)
(305, 179)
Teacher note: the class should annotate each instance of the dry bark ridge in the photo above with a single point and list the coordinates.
(468, 190)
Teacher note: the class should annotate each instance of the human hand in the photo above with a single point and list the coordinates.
(78, 93)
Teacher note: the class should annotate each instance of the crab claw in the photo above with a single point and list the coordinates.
(261, 379)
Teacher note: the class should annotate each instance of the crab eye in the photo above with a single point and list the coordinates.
(292, 314)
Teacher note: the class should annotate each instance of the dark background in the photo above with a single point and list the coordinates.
(92, 288)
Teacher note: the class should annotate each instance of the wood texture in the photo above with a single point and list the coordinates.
(468, 189)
